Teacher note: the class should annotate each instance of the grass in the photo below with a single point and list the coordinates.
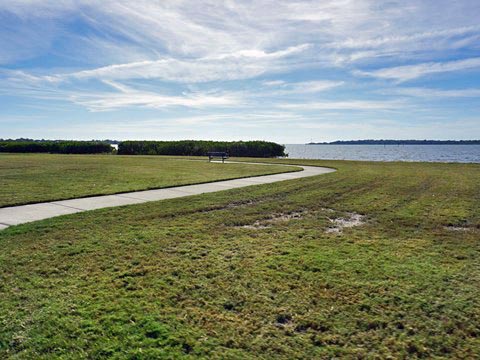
(196, 278)
(30, 178)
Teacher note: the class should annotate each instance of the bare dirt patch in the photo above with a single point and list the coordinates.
(256, 225)
(350, 220)
(276, 218)
(457, 228)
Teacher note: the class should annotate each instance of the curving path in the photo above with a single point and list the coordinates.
(16, 215)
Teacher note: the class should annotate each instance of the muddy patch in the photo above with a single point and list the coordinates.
(275, 219)
(349, 221)
(457, 228)
(256, 225)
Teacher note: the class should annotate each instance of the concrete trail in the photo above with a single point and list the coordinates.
(22, 214)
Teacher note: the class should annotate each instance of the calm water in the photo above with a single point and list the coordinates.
(431, 153)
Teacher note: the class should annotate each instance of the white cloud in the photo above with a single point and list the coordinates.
(410, 72)
(260, 54)
(405, 39)
(281, 87)
(274, 83)
(346, 105)
(437, 93)
(239, 65)
(313, 86)
(102, 101)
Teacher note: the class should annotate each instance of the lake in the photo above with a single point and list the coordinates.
(430, 153)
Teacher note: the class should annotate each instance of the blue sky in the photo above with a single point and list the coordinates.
(287, 71)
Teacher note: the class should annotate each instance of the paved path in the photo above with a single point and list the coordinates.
(16, 215)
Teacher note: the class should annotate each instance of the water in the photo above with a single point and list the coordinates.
(429, 153)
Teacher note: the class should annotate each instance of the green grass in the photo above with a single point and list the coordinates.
(30, 178)
(185, 278)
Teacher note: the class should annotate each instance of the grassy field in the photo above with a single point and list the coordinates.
(30, 178)
(258, 272)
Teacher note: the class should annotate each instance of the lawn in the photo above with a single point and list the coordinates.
(30, 178)
(258, 272)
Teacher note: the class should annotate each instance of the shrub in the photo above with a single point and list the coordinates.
(57, 147)
(201, 148)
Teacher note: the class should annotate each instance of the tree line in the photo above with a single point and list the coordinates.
(398, 142)
(183, 147)
(201, 148)
(55, 147)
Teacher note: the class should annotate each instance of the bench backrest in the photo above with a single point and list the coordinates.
(217, 153)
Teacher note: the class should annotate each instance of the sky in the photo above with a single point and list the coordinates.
(284, 71)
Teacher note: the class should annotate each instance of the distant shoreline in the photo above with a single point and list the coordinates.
(399, 142)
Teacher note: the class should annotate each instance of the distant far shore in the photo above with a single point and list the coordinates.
(398, 142)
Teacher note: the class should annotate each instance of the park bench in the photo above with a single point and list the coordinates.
(217, 155)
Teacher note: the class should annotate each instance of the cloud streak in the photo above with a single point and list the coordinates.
(301, 87)
(127, 97)
(239, 65)
(361, 105)
(410, 72)
(437, 93)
